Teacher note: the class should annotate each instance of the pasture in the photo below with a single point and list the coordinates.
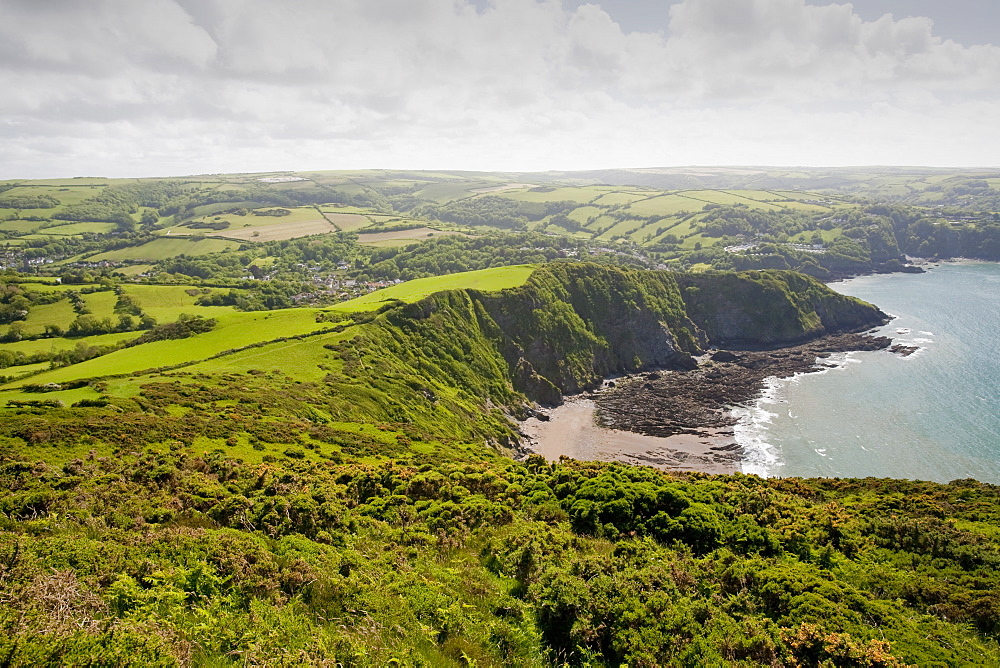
(613, 198)
(404, 236)
(337, 209)
(665, 205)
(581, 195)
(443, 193)
(486, 280)
(348, 222)
(583, 213)
(234, 330)
(279, 231)
(58, 313)
(627, 228)
(301, 358)
(19, 226)
(74, 229)
(56, 344)
(167, 302)
(165, 248)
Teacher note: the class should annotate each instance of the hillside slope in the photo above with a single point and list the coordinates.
(343, 497)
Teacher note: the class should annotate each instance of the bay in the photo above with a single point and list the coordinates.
(934, 415)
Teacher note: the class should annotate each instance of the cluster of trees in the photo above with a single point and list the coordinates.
(28, 202)
(265, 296)
(733, 219)
(184, 327)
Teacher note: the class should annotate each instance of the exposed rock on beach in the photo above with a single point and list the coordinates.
(680, 419)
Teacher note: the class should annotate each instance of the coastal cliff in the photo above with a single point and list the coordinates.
(571, 325)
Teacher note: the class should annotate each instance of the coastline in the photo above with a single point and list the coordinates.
(682, 420)
(571, 430)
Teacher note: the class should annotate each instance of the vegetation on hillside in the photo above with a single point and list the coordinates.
(196, 474)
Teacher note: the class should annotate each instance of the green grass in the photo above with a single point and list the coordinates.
(669, 226)
(68, 397)
(336, 208)
(486, 280)
(167, 302)
(58, 344)
(400, 237)
(101, 304)
(691, 242)
(78, 228)
(665, 205)
(209, 210)
(19, 226)
(64, 193)
(348, 222)
(59, 313)
(558, 229)
(449, 192)
(581, 195)
(630, 228)
(619, 198)
(300, 359)
(757, 195)
(134, 269)
(802, 206)
(601, 223)
(725, 197)
(235, 222)
(583, 213)
(234, 330)
(166, 248)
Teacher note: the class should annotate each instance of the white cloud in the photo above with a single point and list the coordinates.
(174, 86)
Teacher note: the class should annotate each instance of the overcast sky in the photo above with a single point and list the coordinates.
(171, 87)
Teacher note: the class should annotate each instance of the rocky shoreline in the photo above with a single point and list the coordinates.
(682, 419)
(689, 402)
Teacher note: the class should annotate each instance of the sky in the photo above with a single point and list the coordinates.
(120, 88)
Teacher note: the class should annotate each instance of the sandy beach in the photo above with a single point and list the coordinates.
(572, 431)
(679, 420)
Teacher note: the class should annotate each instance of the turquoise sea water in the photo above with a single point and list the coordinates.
(932, 416)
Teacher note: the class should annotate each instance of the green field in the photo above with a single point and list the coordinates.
(400, 237)
(665, 205)
(58, 313)
(449, 192)
(66, 194)
(236, 222)
(725, 197)
(20, 226)
(486, 280)
(100, 304)
(167, 302)
(166, 248)
(30, 347)
(582, 194)
(613, 198)
(583, 213)
(234, 330)
(78, 228)
(628, 228)
(302, 359)
(348, 222)
(336, 208)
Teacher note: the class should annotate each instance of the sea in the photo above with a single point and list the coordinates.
(934, 415)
